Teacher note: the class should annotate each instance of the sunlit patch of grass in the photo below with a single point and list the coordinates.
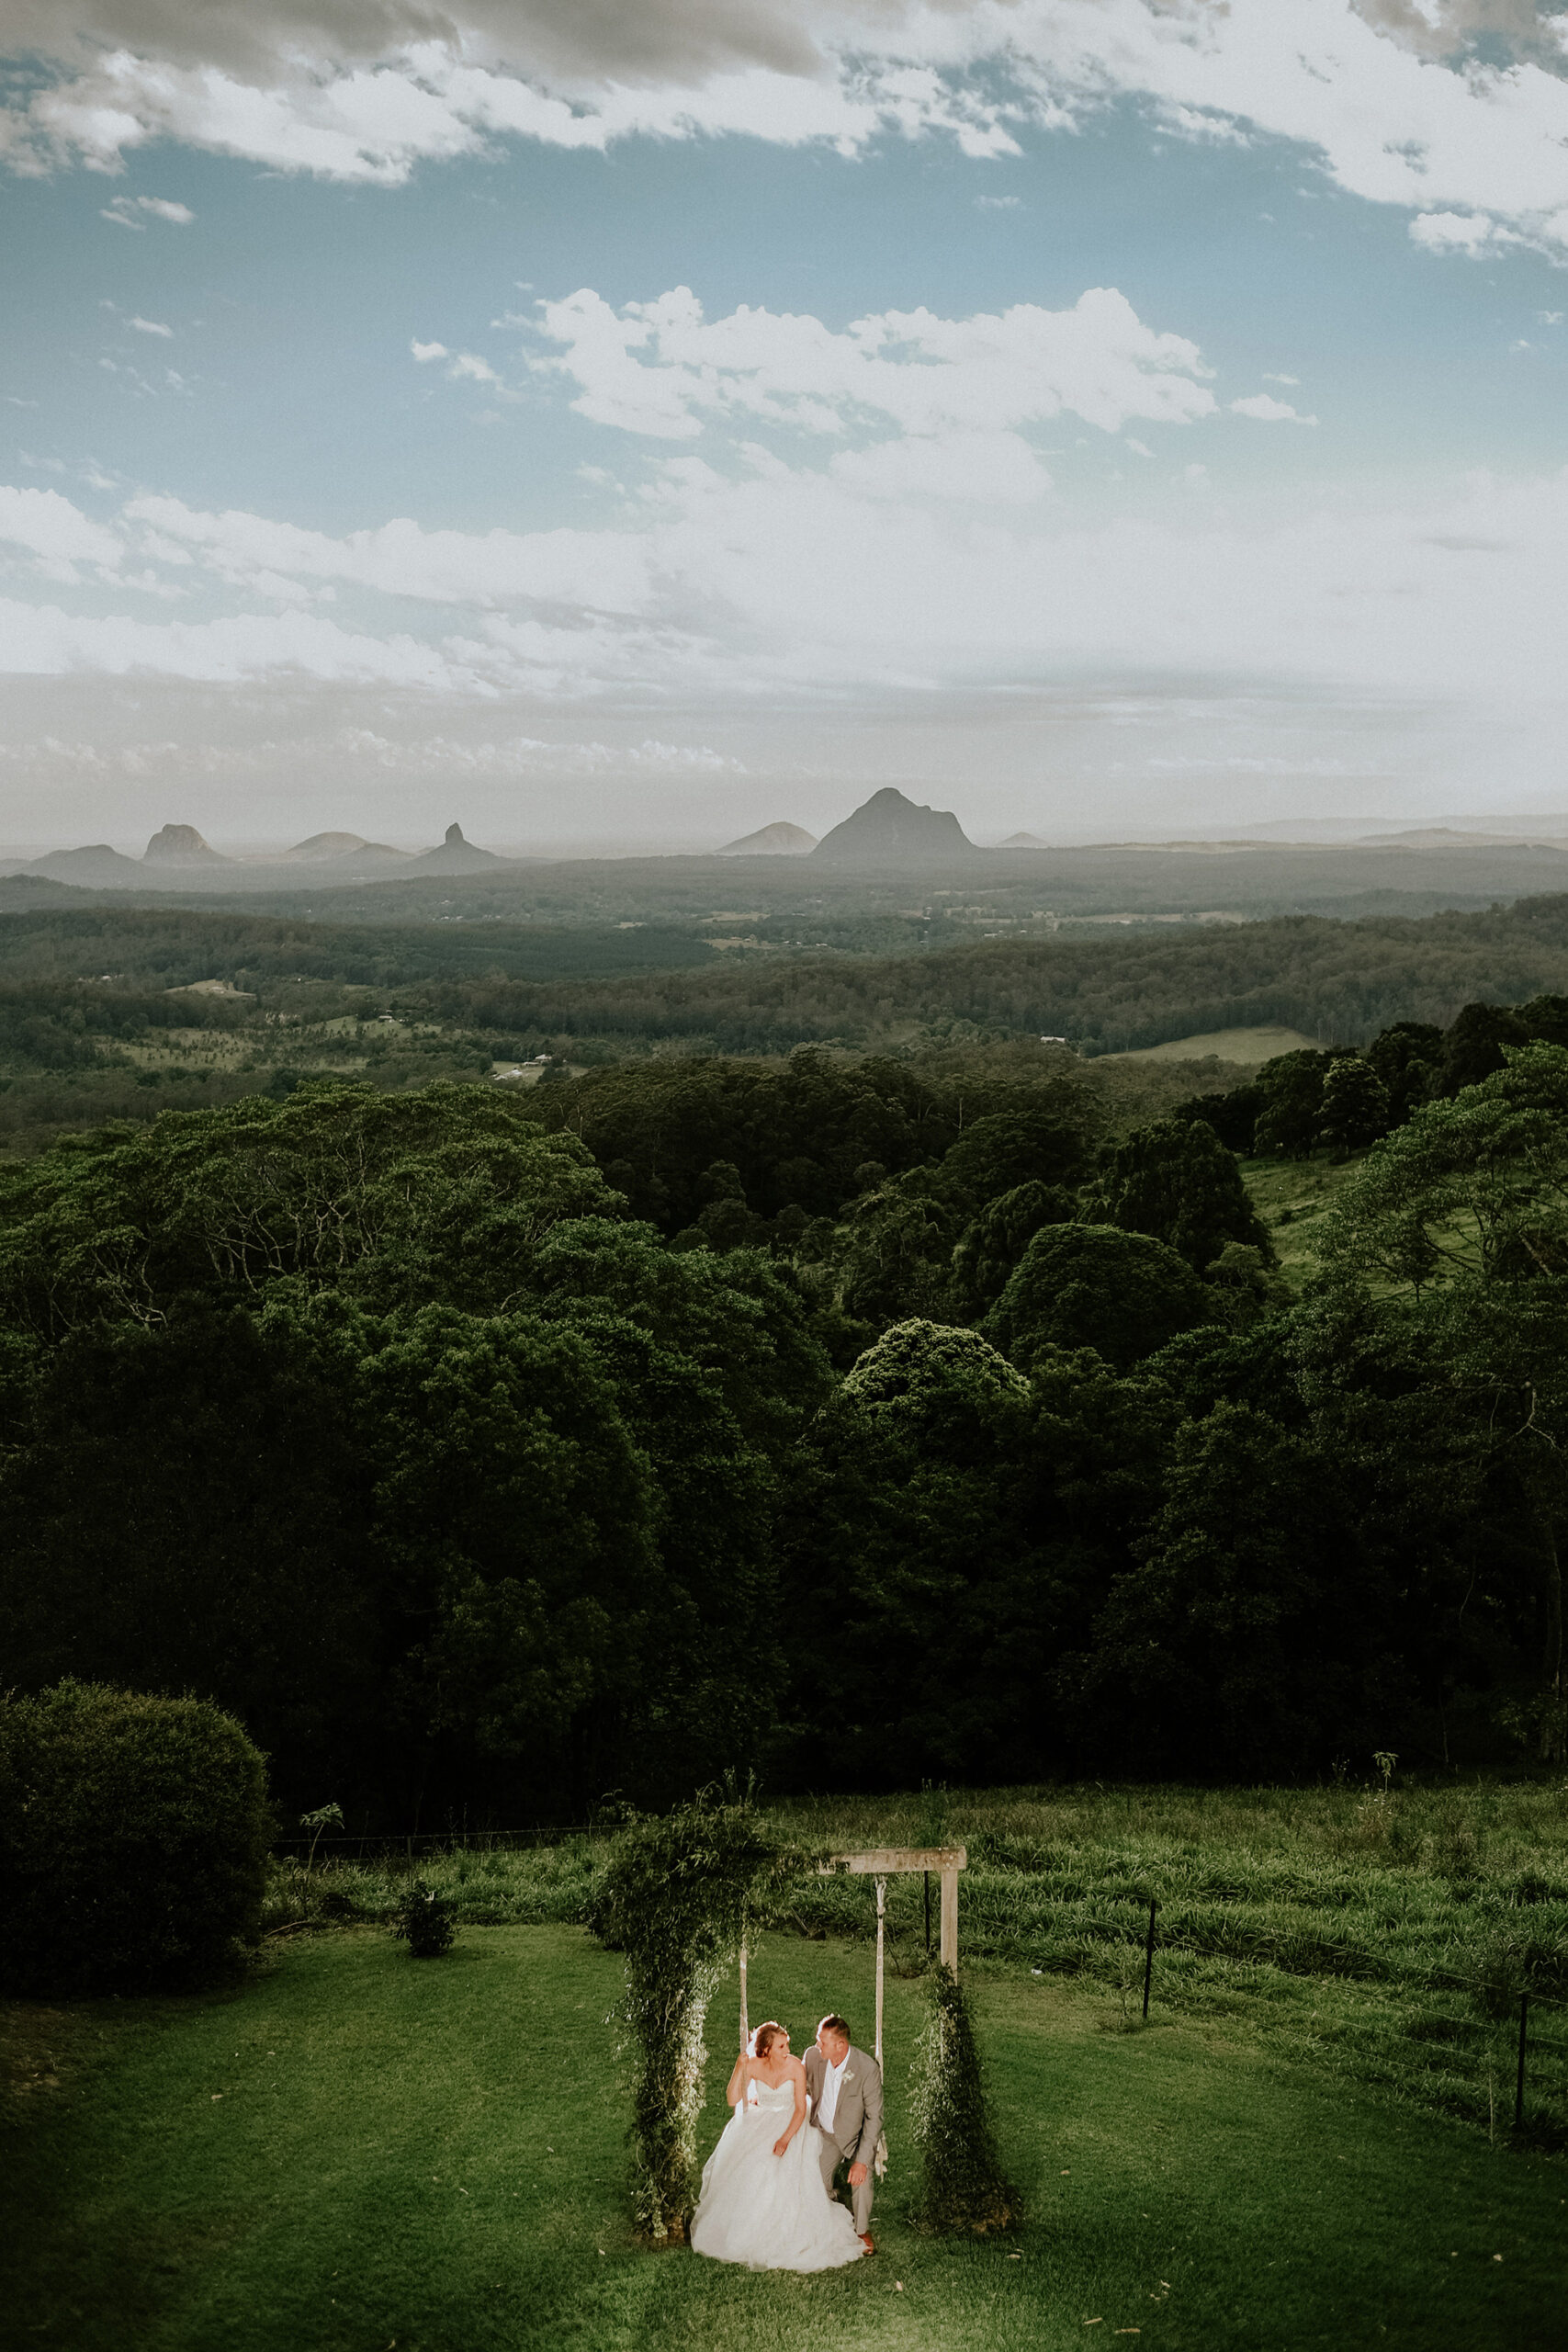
(1343, 1925)
(356, 2149)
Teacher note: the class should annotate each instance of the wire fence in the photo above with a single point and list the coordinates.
(370, 1845)
(1529, 1999)
(465, 1838)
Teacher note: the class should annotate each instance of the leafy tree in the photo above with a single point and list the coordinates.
(188, 1507)
(444, 1194)
(990, 1249)
(1408, 1058)
(1232, 1115)
(1043, 1138)
(937, 1386)
(912, 1628)
(1545, 1019)
(892, 1256)
(1479, 1182)
(1124, 1295)
(1355, 1106)
(1291, 1113)
(1248, 1641)
(1472, 1045)
(1176, 1181)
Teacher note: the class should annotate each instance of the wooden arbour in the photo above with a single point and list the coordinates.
(881, 1864)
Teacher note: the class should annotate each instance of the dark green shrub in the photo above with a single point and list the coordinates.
(427, 1921)
(963, 2190)
(134, 1833)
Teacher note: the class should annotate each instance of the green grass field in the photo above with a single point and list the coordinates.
(356, 2150)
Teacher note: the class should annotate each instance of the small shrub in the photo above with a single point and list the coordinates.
(427, 1921)
(134, 1835)
(964, 2191)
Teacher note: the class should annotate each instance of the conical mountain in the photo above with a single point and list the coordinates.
(782, 839)
(891, 830)
(454, 856)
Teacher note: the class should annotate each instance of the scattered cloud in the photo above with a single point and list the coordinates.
(998, 203)
(661, 368)
(1457, 112)
(1268, 411)
(125, 210)
(467, 367)
(1462, 232)
(58, 534)
(1269, 377)
(149, 326)
(425, 352)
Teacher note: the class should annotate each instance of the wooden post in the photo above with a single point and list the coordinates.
(1519, 2086)
(881, 1916)
(925, 1874)
(745, 2028)
(949, 1953)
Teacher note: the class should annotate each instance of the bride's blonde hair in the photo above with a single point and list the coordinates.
(764, 2038)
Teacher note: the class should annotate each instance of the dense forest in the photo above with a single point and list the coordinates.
(858, 1422)
(116, 1012)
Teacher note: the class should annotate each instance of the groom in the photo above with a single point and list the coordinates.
(846, 2114)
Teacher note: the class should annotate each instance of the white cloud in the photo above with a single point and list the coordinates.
(149, 326)
(1269, 377)
(467, 367)
(55, 531)
(123, 209)
(1460, 232)
(660, 367)
(42, 640)
(806, 581)
(1392, 107)
(425, 352)
(604, 571)
(1268, 411)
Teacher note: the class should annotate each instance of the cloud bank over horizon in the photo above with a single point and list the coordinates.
(740, 487)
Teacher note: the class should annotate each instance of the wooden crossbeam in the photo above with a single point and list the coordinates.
(891, 1862)
(887, 1861)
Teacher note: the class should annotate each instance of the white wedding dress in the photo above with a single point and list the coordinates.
(769, 2212)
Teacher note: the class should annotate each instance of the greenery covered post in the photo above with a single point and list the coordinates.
(963, 2191)
(675, 1899)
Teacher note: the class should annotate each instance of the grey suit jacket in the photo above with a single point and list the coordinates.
(857, 2118)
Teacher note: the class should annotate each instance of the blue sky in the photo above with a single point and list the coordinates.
(1105, 416)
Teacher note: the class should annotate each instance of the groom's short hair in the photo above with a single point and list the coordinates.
(834, 2023)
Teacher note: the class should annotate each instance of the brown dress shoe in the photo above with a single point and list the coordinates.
(867, 2245)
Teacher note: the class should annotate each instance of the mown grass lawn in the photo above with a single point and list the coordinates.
(358, 2150)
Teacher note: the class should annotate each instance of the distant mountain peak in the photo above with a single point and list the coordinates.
(456, 855)
(181, 845)
(324, 845)
(892, 830)
(780, 840)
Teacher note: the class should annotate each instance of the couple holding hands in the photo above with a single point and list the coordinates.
(768, 2197)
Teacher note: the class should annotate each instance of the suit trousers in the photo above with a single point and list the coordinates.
(832, 2159)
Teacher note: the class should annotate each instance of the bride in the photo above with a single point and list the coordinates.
(763, 2201)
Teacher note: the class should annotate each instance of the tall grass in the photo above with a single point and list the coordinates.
(1384, 1932)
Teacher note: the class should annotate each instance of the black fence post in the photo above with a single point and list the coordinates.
(1520, 2084)
(1149, 1964)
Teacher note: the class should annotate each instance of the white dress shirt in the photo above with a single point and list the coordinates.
(827, 2104)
